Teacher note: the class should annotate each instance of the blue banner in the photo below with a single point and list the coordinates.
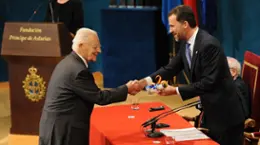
(167, 5)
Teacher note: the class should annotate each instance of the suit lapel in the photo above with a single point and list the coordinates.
(77, 58)
(195, 50)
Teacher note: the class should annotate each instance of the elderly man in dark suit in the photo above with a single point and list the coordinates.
(242, 88)
(72, 93)
(204, 61)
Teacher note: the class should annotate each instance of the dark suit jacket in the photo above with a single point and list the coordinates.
(243, 91)
(210, 79)
(70, 98)
(70, 13)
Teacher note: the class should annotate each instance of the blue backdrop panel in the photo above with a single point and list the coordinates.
(133, 44)
(3, 63)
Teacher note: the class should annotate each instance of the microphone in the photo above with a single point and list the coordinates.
(51, 9)
(164, 114)
(152, 133)
(36, 10)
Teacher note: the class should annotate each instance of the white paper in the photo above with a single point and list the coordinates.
(184, 134)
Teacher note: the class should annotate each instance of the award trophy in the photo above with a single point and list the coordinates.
(159, 85)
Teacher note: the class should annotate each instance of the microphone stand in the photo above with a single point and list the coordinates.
(152, 133)
(51, 10)
(146, 123)
(35, 11)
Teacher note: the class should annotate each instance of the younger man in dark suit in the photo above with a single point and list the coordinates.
(242, 89)
(204, 61)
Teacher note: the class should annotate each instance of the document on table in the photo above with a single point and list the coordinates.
(184, 134)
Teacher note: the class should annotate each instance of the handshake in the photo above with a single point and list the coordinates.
(136, 86)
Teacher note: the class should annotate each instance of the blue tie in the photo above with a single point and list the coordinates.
(188, 53)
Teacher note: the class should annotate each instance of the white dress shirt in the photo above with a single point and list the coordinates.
(85, 62)
(191, 41)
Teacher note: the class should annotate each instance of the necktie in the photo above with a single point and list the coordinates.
(188, 54)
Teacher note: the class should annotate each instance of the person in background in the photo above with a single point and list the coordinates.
(69, 12)
(242, 88)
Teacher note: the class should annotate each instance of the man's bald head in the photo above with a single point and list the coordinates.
(86, 43)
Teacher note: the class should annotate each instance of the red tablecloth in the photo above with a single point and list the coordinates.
(120, 125)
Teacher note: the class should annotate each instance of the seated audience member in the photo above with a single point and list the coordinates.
(242, 88)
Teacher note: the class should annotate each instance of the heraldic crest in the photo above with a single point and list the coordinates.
(34, 85)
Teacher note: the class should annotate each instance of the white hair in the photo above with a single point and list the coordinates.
(233, 63)
(82, 36)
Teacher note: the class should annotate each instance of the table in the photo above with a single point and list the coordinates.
(120, 125)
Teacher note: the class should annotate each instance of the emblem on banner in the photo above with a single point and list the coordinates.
(34, 85)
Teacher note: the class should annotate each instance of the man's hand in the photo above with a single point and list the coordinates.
(133, 87)
(169, 90)
(142, 83)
